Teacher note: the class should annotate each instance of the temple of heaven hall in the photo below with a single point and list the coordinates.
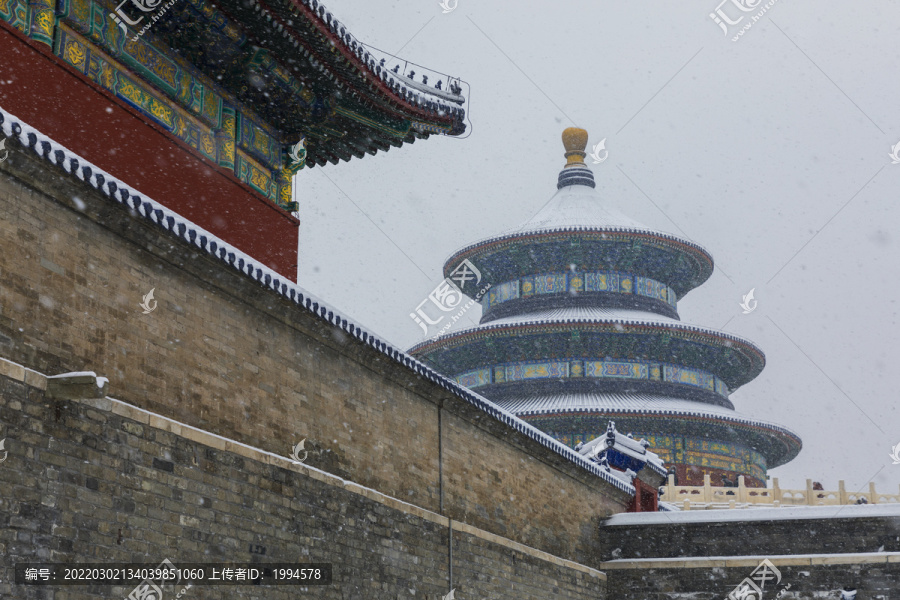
(580, 327)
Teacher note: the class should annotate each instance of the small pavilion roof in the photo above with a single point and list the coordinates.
(634, 449)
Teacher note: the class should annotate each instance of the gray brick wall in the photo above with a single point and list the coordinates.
(226, 355)
(83, 483)
(706, 560)
(737, 538)
(822, 582)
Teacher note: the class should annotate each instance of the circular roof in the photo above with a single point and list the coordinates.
(778, 444)
(735, 360)
(577, 206)
(578, 227)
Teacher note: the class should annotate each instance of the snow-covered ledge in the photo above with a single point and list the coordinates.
(793, 513)
(786, 560)
(77, 385)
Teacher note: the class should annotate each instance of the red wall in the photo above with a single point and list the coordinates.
(646, 498)
(47, 94)
(686, 475)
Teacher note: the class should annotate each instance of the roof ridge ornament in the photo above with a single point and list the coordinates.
(575, 172)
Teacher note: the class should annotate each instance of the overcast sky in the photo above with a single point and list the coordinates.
(771, 152)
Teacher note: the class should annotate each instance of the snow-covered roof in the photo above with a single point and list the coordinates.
(625, 402)
(589, 313)
(599, 316)
(605, 315)
(368, 56)
(623, 476)
(626, 445)
(578, 206)
(446, 95)
(170, 221)
(613, 404)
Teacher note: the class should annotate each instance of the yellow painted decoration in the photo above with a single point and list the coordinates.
(42, 21)
(258, 178)
(75, 54)
(181, 127)
(162, 112)
(208, 145)
(107, 76)
(128, 90)
(260, 141)
(154, 61)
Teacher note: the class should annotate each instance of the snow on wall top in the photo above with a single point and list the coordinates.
(793, 513)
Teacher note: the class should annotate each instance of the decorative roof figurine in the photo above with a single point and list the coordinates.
(581, 326)
(621, 454)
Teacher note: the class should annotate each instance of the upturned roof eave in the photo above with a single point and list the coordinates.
(329, 27)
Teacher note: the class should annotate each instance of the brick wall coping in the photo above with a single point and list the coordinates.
(707, 562)
(233, 258)
(38, 380)
(782, 513)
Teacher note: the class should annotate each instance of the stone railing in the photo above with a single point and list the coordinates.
(707, 496)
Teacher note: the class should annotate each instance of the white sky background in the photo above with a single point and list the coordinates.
(770, 152)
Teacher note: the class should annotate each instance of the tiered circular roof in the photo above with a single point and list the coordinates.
(551, 345)
(577, 226)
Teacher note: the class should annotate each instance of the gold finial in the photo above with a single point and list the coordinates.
(575, 141)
